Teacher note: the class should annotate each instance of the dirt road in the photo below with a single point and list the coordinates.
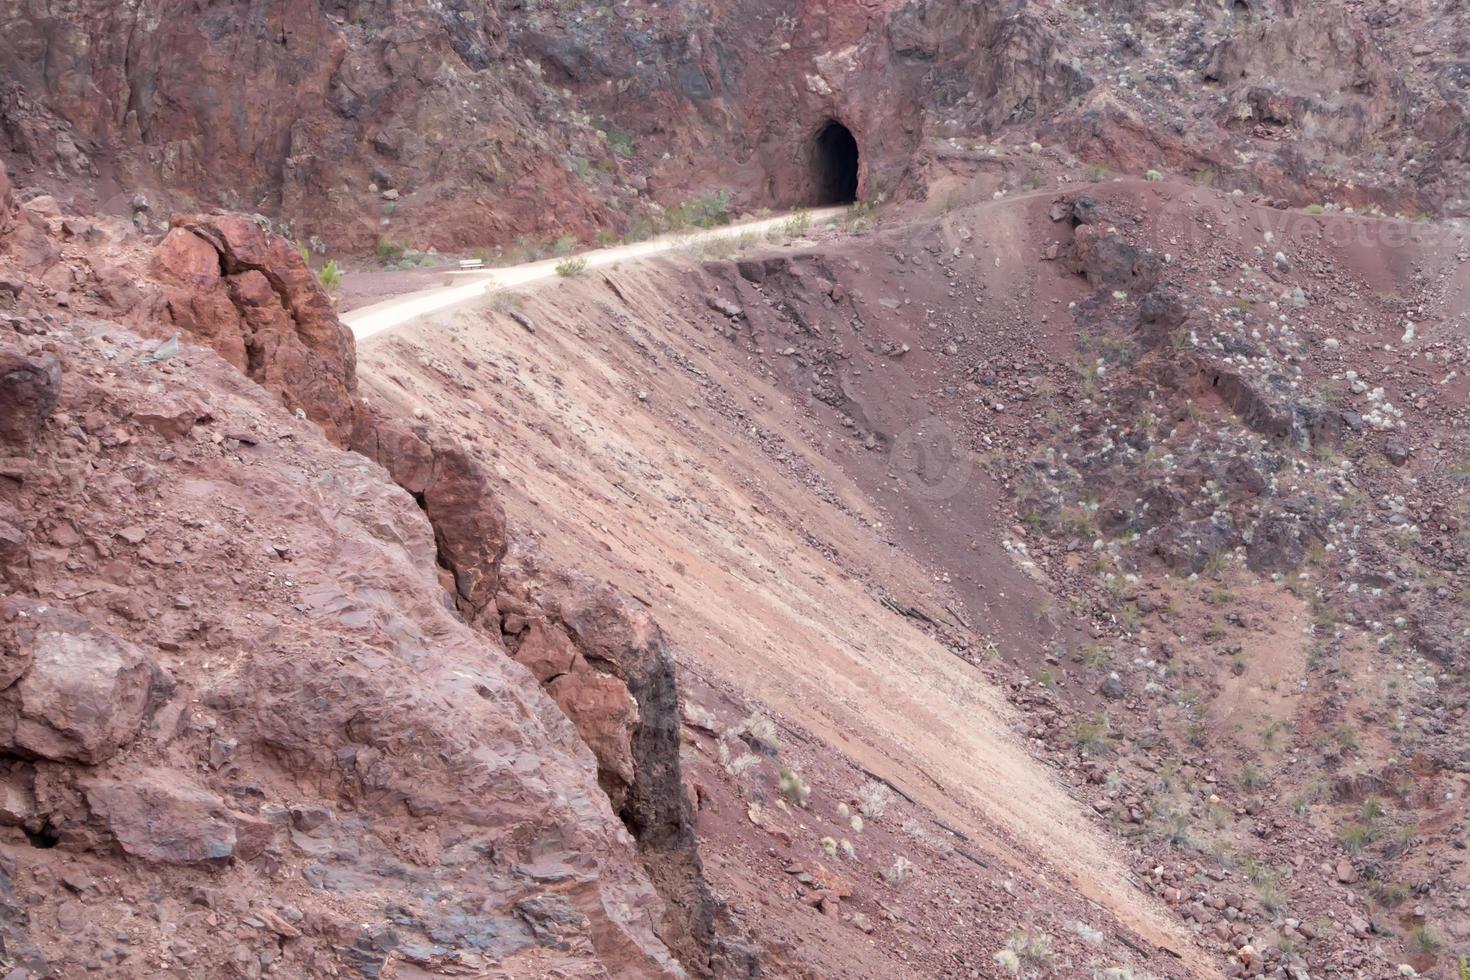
(374, 319)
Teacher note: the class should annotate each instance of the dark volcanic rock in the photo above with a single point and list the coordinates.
(29, 387)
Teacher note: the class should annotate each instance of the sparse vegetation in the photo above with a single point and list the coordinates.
(1008, 961)
(1153, 175)
(621, 143)
(794, 226)
(706, 211)
(1090, 735)
(793, 787)
(873, 799)
(895, 873)
(1426, 939)
(330, 275)
(571, 267)
(1032, 949)
(1356, 836)
(389, 250)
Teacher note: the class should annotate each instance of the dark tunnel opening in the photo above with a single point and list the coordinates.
(835, 165)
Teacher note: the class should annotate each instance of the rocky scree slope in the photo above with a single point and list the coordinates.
(1229, 442)
(1217, 450)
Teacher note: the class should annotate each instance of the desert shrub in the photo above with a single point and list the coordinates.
(621, 143)
(330, 275)
(1091, 735)
(1356, 836)
(793, 787)
(571, 267)
(706, 211)
(1033, 949)
(897, 872)
(1153, 175)
(873, 799)
(389, 250)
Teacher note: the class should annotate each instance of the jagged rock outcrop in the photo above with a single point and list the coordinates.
(1110, 263)
(600, 657)
(282, 702)
(474, 123)
(1319, 69)
(250, 295)
(613, 649)
(468, 520)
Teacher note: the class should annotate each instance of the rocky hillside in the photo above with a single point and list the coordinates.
(481, 124)
(1050, 564)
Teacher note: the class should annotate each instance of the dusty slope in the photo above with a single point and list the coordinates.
(1185, 460)
(646, 447)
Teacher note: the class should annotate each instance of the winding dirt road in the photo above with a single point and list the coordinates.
(374, 319)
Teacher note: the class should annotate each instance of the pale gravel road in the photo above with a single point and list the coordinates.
(369, 320)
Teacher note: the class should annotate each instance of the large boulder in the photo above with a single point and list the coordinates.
(251, 296)
(161, 816)
(1108, 262)
(29, 387)
(74, 692)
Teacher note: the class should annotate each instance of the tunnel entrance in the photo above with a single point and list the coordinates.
(835, 165)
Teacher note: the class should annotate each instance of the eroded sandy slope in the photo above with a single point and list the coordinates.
(646, 448)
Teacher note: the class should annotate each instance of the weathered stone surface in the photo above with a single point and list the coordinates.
(7, 199)
(82, 693)
(29, 387)
(547, 651)
(320, 674)
(455, 493)
(606, 717)
(14, 556)
(1108, 262)
(160, 816)
(250, 295)
(619, 639)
